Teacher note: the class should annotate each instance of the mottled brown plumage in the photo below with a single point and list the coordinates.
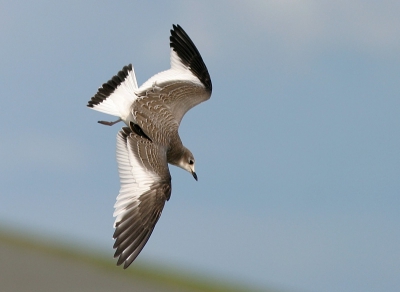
(153, 113)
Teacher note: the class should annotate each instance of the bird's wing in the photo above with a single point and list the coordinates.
(186, 84)
(145, 186)
(116, 95)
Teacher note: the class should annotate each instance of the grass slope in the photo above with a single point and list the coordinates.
(173, 280)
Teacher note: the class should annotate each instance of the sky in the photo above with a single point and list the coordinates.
(297, 151)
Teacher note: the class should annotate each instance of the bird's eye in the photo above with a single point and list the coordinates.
(191, 161)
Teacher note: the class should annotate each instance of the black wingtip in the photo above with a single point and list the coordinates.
(181, 43)
(109, 87)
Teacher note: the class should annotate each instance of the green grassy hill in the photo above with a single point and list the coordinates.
(30, 265)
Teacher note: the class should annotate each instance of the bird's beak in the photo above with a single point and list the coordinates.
(194, 175)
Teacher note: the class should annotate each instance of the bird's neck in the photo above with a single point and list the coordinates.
(176, 152)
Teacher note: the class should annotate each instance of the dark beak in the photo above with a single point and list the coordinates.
(194, 175)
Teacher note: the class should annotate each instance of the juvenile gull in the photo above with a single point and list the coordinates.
(152, 113)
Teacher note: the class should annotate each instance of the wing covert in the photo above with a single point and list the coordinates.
(187, 83)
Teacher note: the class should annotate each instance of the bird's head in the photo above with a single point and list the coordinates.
(187, 162)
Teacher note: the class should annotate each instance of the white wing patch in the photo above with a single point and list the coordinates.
(119, 102)
(134, 178)
(178, 72)
(176, 62)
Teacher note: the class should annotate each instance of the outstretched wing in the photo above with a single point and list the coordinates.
(186, 84)
(145, 186)
(116, 95)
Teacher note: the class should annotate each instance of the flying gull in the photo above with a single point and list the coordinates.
(152, 114)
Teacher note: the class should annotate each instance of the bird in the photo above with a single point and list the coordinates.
(150, 141)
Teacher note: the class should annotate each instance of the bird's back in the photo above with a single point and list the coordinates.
(156, 120)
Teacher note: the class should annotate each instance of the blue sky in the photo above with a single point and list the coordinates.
(297, 151)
